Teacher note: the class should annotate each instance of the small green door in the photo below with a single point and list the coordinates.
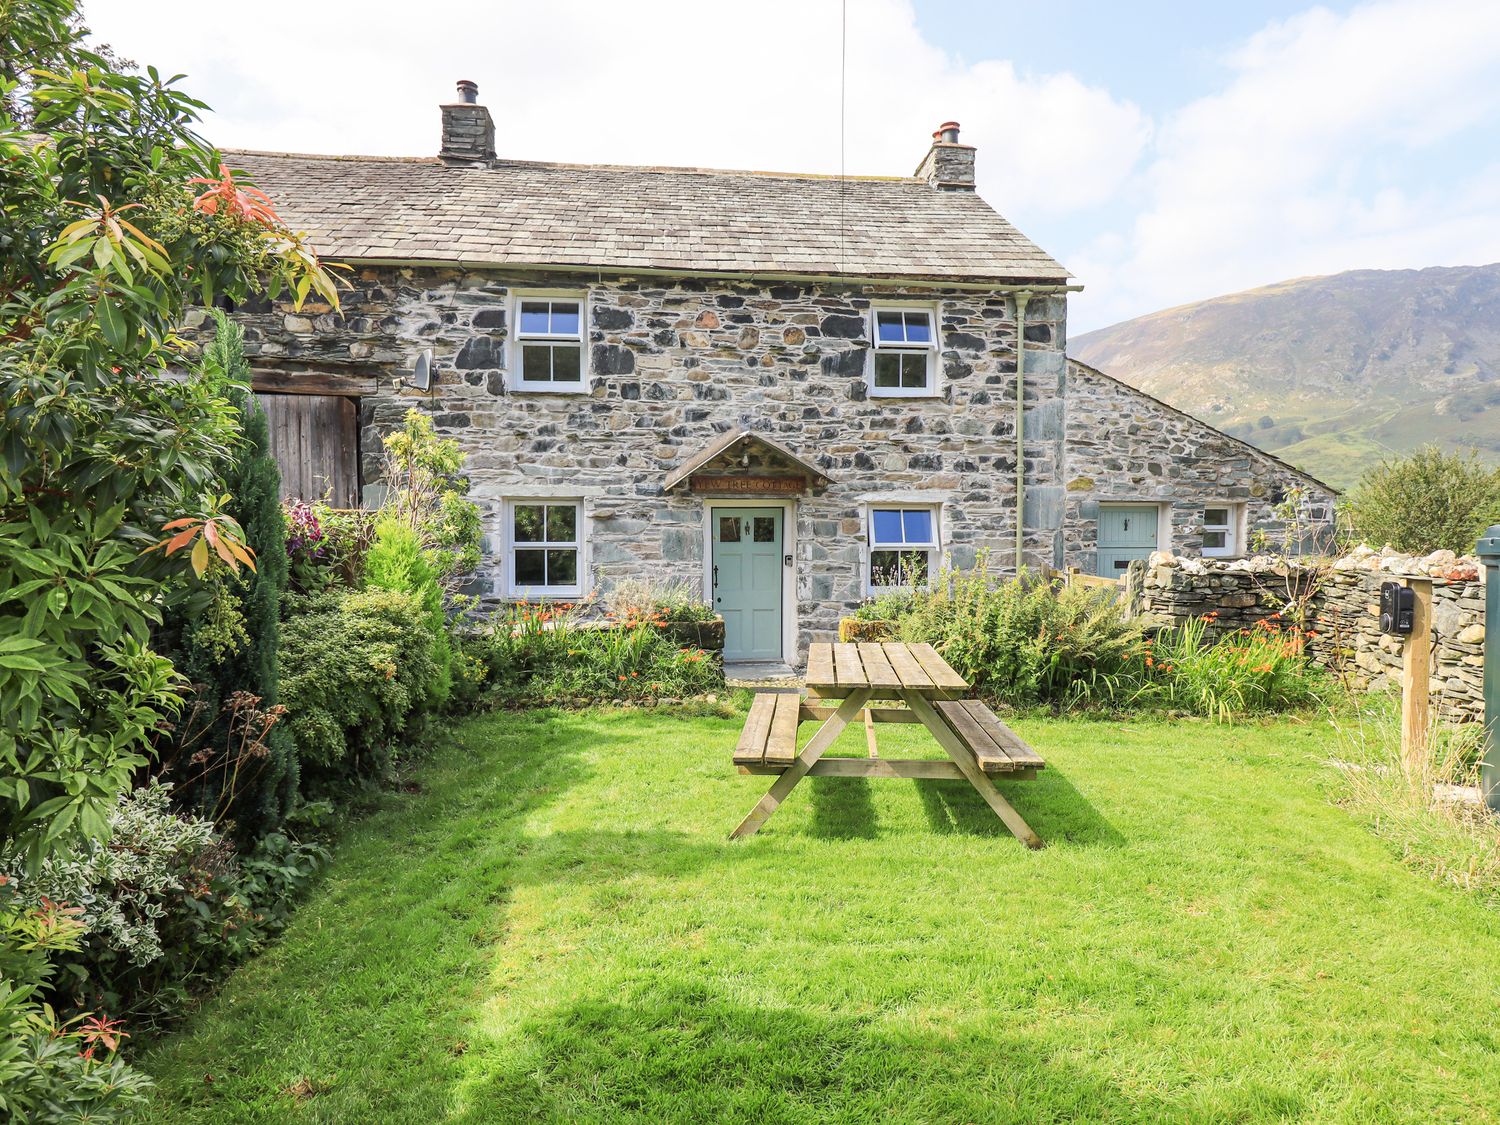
(747, 580)
(1126, 532)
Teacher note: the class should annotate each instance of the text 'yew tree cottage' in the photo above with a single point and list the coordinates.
(788, 390)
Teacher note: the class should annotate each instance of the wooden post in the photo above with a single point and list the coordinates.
(1416, 676)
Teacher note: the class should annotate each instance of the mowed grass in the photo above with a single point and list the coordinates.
(556, 928)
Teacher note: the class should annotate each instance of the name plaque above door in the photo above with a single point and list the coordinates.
(741, 485)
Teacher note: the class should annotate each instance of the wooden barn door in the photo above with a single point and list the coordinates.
(315, 439)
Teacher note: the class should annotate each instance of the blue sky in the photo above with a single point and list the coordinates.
(1164, 151)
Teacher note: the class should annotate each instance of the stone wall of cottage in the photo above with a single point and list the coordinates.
(1117, 443)
(673, 364)
(1345, 614)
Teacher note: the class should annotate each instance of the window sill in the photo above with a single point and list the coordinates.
(547, 593)
(886, 392)
(559, 389)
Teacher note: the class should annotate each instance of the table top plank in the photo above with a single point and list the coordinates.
(848, 666)
(878, 669)
(906, 666)
(820, 666)
(938, 669)
(752, 743)
(781, 745)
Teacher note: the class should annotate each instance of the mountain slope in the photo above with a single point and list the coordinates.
(1330, 373)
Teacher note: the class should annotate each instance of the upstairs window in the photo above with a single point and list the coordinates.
(1221, 531)
(903, 361)
(545, 548)
(903, 546)
(549, 344)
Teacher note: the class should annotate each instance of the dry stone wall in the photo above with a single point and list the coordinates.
(1345, 611)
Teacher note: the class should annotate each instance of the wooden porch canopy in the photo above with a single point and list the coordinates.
(743, 462)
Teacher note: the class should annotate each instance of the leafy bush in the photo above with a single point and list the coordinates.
(326, 546)
(541, 654)
(634, 600)
(426, 492)
(1427, 501)
(397, 561)
(1246, 672)
(164, 903)
(357, 671)
(52, 1070)
(888, 605)
(1024, 641)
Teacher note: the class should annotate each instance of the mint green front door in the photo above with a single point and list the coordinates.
(1126, 532)
(746, 579)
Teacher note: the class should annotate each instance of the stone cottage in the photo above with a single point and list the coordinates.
(789, 391)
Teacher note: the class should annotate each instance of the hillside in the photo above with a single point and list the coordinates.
(1329, 373)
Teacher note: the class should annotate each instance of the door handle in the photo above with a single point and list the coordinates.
(716, 577)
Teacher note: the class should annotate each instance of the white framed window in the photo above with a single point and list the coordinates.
(548, 351)
(903, 544)
(1221, 530)
(544, 548)
(903, 352)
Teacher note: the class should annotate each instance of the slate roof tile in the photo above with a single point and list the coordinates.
(517, 212)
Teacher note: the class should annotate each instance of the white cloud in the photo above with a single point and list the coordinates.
(664, 81)
(1288, 170)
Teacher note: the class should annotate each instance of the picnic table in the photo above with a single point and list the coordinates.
(921, 688)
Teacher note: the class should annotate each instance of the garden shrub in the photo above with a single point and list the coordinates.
(165, 903)
(54, 1070)
(326, 546)
(1248, 671)
(357, 672)
(397, 561)
(230, 651)
(425, 490)
(1426, 501)
(1023, 641)
(540, 654)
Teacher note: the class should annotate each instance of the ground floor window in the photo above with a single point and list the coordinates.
(1221, 530)
(544, 541)
(903, 546)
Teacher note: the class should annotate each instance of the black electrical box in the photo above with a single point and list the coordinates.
(1397, 607)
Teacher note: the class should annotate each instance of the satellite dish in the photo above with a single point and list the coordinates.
(421, 376)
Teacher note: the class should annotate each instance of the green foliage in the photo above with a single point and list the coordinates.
(1427, 501)
(230, 646)
(357, 671)
(326, 546)
(1245, 672)
(165, 903)
(1023, 641)
(51, 1070)
(634, 599)
(426, 491)
(103, 249)
(541, 654)
(397, 561)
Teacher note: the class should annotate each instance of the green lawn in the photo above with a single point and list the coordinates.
(555, 928)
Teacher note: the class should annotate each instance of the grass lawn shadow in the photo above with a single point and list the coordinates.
(681, 1052)
(1050, 804)
(842, 808)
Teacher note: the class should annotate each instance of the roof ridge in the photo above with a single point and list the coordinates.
(508, 162)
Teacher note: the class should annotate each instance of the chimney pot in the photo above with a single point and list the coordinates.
(947, 132)
(468, 92)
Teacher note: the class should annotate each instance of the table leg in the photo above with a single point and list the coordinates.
(870, 744)
(970, 769)
(832, 727)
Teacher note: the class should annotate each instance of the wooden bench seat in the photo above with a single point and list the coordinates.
(997, 748)
(770, 733)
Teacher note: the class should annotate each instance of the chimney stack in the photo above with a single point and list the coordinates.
(468, 129)
(948, 165)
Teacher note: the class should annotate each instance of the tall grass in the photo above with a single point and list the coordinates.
(1426, 810)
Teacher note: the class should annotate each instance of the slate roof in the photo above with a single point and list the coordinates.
(514, 212)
